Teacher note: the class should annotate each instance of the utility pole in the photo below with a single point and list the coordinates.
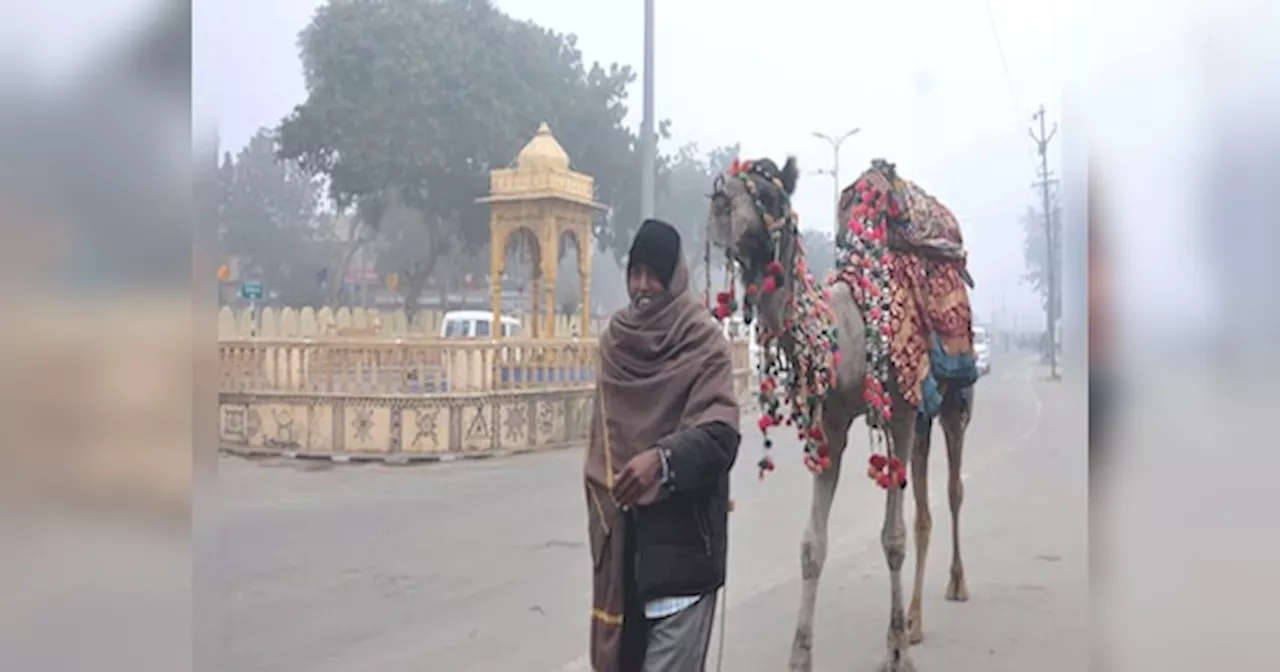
(1050, 239)
(648, 142)
(835, 183)
(835, 173)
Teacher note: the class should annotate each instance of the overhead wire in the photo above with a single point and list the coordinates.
(1004, 63)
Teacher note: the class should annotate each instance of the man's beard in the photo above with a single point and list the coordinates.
(642, 300)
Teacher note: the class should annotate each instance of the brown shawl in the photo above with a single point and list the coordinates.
(662, 369)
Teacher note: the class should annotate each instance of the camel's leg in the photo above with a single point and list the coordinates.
(924, 527)
(893, 537)
(955, 420)
(813, 550)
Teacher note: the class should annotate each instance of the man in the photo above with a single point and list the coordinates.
(664, 436)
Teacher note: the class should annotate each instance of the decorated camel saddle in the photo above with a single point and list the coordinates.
(902, 254)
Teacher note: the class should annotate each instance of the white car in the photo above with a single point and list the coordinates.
(982, 350)
(475, 324)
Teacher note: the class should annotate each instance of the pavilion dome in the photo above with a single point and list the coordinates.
(543, 152)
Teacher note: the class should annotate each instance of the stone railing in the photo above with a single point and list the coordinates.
(356, 322)
(404, 399)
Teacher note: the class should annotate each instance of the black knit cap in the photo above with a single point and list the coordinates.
(656, 245)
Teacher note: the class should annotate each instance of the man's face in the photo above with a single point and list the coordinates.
(643, 285)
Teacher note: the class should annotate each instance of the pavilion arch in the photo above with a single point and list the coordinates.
(516, 242)
(571, 239)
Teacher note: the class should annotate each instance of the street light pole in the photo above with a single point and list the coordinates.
(648, 143)
(835, 192)
(835, 172)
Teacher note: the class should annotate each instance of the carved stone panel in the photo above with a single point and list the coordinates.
(549, 421)
(515, 423)
(425, 429)
(282, 423)
(476, 426)
(367, 428)
(233, 423)
(318, 437)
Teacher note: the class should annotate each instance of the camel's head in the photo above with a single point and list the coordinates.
(747, 202)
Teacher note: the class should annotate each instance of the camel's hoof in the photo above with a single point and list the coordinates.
(801, 653)
(957, 589)
(897, 661)
(915, 632)
(801, 661)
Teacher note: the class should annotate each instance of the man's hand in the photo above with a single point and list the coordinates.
(639, 478)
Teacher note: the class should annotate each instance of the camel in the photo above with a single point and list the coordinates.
(750, 219)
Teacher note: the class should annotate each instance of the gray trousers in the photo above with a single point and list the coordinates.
(679, 642)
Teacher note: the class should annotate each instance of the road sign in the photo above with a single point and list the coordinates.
(251, 290)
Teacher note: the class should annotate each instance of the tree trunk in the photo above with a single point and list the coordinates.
(354, 243)
(412, 283)
(415, 279)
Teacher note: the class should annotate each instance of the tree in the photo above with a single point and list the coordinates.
(820, 252)
(398, 251)
(270, 221)
(721, 158)
(411, 102)
(1035, 254)
(684, 181)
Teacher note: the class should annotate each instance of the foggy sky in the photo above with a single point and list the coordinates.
(930, 95)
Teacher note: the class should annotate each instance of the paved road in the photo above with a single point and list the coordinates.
(481, 566)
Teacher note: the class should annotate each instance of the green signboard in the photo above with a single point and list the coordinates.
(251, 290)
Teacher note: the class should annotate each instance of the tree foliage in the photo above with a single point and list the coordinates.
(414, 101)
(683, 184)
(820, 252)
(270, 221)
(398, 250)
(1035, 251)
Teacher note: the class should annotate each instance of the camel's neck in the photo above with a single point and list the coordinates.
(774, 318)
(774, 310)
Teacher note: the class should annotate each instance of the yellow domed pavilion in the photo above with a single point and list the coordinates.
(543, 200)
